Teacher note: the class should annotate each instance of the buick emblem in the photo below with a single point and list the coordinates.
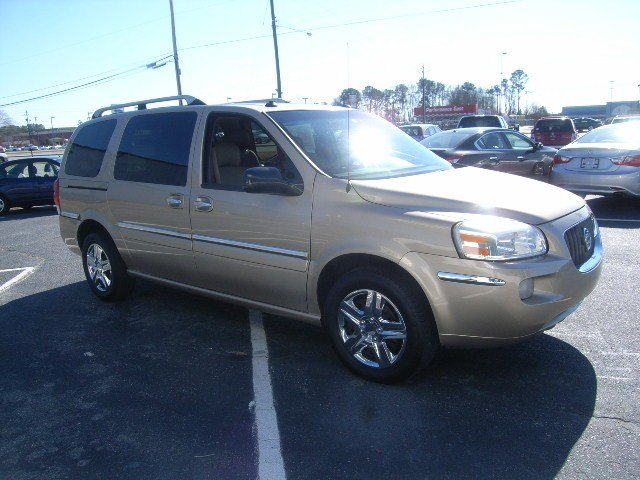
(588, 239)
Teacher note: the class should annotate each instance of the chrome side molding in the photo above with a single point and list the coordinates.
(472, 279)
(250, 246)
(159, 231)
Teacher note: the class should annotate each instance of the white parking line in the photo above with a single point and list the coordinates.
(24, 273)
(270, 463)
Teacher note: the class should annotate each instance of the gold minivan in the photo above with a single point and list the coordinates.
(325, 214)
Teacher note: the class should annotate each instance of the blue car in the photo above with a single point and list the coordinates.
(28, 182)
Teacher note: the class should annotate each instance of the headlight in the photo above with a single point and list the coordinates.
(495, 238)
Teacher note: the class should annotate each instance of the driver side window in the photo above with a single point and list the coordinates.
(235, 143)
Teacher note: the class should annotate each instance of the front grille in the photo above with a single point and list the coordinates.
(580, 247)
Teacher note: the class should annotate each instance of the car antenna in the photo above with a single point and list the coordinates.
(348, 149)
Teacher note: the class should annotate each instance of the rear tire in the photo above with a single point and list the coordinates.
(104, 268)
(380, 325)
(5, 206)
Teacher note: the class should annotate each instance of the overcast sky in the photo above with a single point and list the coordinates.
(571, 49)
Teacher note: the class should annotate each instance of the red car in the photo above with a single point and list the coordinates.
(554, 131)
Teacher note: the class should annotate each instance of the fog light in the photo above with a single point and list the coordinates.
(526, 288)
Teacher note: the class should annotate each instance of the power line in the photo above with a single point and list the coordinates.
(415, 14)
(145, 61)
(357, 22)
(255, 37)
(100, 80)
(113, 32)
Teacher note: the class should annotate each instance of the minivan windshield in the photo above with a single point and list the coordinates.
(355, 144)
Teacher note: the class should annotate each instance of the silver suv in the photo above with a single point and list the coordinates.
(324, 214)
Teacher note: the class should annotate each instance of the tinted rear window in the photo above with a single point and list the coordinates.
(466, 122)
(87, 150)
(554, 125)
(155, 148)
(450, 139)
(413, 131)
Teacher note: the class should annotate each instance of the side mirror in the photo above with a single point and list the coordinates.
(539, 145)
(269, 180)
(516, 127)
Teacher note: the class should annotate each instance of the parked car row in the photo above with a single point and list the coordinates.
(30, 148)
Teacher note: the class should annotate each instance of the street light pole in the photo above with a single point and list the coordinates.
(52, 130)
(500, 84)
(175, 50)
(611, 90)
(275, 47)
(424, 108)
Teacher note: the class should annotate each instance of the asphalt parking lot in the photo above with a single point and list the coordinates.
(163, 385)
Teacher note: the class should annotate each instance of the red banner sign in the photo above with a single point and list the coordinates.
(447, 110)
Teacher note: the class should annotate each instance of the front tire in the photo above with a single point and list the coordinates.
(104, 268)
(380, 325)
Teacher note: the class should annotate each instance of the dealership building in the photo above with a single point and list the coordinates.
(610, 109)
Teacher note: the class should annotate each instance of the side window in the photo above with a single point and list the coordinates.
(518, 141)
(45, 169)
(492, 141)
(15, 170)
(234, 143)
(87, 150)
(155, 148)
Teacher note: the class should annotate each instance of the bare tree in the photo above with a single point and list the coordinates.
(400, 97)
(518, 81)
(5, 119)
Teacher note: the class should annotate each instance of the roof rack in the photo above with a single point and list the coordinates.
(142, 104)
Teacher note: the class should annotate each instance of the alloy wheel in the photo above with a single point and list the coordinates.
(99, 267)
(372, 328)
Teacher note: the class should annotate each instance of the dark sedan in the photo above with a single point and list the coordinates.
(28, 182)
(584, 124)
(497, 149)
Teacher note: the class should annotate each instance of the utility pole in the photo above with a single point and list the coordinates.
(26, 116)
(275, 47)
(175, 50)
(52, 130)
(35, 124)
(424, 107)
(611, 90)
(305, 99)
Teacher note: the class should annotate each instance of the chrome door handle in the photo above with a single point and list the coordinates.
(175, 200)
(203, 203)
(520, 157)
(493, 158)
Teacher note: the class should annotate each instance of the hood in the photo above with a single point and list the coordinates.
(472, 190)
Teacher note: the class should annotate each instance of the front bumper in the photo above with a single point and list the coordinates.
(489, 312)
(601, 183)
